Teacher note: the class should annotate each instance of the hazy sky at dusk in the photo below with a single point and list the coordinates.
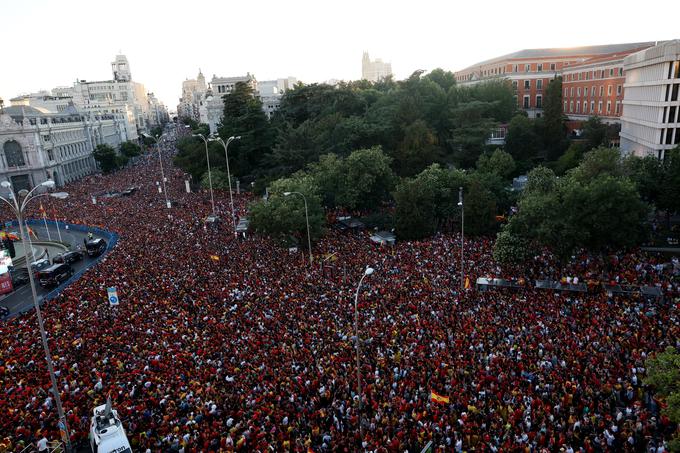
(52, 43)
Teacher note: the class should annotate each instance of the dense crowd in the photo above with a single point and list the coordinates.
(255, 351)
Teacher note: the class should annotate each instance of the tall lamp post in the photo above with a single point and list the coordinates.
(309, 238)
(207, 156)
(462, 236)
(217, 138)
(368, 271)
(18, 208)
(160, 159)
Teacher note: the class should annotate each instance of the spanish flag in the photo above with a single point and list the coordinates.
(214, 257)
(437, 398)
(42, 210)
(467, 282)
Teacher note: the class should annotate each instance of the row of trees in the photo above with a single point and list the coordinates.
(109, 160)
(603, 202)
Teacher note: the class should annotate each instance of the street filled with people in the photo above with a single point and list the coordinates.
(234, 343)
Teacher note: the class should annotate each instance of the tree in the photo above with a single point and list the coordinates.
(130, 149)
(648, 174)
(499, 163)
(445, 79)
(554, 130)
(480, 208)
(599, 161)
(415, 215)
(243, 116)
(595, 133)
(283, 217)
(521, 141)
(220, 180)
(663, 374)
(510, 248)
(669, 198)
(106, 158)
(368, 179)
(570, 159)
(157, 131)
(417, 150)
(328, 174)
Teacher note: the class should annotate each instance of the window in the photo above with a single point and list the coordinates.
(578, 91)
(514, 69)
(50, 154)
(663, 117)
(620, 71)
(580, 76)
(599, 107)
(552, 66)
(609, 90)
(669, 136)
(527, 68)
(601, 90)
(592, 106)
(619, 89)
(585, 92)
(571, 106)
(609, 107)
(526, 102)
(527, 84)
(539, 101)
(585, 107)
(566, 92)
(539, 84)
(14, 154)
(668, 87)
(514, 85)
(611, 72)
(674, 95)
(676, 69)
(677, 136)
(572, 91)
(671, 114)
(592, 91)
(578, 107)
(618, 107)
(565, 106)
(539, 67)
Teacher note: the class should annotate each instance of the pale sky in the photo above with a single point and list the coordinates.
(52, 43)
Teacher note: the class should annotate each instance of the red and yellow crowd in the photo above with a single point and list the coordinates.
(255, 351)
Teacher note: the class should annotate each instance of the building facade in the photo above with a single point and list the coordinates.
(374, 70)
(650, 125)
(211, 108)
(193, 93)
(270, 93)
(36, 146)
(531, 70)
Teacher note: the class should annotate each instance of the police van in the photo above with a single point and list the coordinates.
(106, 431)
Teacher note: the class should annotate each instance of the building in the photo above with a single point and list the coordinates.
(531, 70)
(270, 93)
(650, 123)
(120, 96)
(37, 145)
(44, 101)
(211, 108)
(376, 70)
(193, 93)
(158, 113)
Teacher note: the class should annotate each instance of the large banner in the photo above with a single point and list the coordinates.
(6, 283)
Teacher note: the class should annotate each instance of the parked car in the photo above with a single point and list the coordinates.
(19, 276)
(55, 275)
(95, 247)
(69, 257)
(4, 311)
(39, 265)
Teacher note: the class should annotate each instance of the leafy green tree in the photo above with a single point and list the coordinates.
(521, 141)
(283, 217)
(130, 149)
(570, 159)
(499, 162)
(480, 208)
(663, 374)
(106, 158)
(445, 79)
(192, 159)
(554, 131)
(368, 180)
(329, 177)
(417, 150)
(595, 133)
(157, 131)
(220, 180)
(243, 116)
(669, 198)
(416, 211)
(500, 99)
(648, 175)
(510, 248)
(599, 161)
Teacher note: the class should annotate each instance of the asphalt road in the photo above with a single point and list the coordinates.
(21, 299)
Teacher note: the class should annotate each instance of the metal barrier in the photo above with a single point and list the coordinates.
(111, 241)
(52, 447)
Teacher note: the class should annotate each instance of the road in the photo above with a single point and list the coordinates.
(21, 299)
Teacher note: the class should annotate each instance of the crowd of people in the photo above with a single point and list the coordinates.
(236, 344)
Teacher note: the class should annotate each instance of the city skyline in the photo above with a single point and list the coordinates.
(300, 41)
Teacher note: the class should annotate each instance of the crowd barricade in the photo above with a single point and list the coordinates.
(485, 283)
(111, 241)
(560, 286)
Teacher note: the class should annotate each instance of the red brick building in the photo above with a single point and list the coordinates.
(530, 71)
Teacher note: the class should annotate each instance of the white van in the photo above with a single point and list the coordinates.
(106, 431)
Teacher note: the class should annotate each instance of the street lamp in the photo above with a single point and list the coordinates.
(217, 138)
(462, 240)
(18, 208)
(309, 240)
(160, 159)
(207, 156)
(367, 271)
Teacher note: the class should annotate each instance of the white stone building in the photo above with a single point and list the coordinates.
(43, 101)
(212, 106)
(271, 91)
(650, 123)
(193, 93)
(36, 146)
(375, 70)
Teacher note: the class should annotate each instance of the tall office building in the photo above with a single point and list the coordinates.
(374, 70)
